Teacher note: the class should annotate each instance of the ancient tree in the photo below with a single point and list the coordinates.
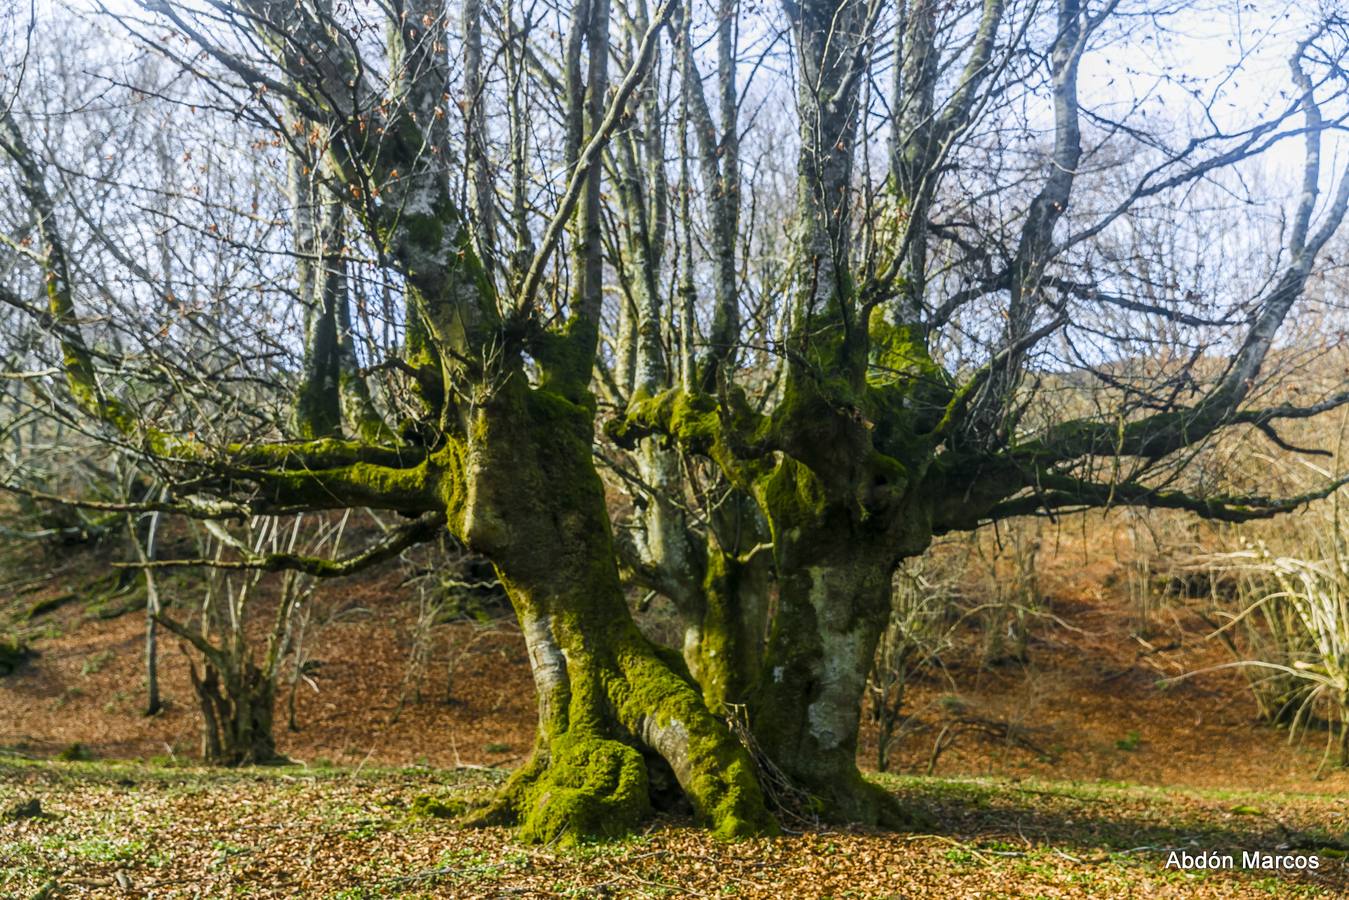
(592, 273)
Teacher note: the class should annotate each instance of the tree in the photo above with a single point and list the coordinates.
(795, 411)
(236, 687)
(869, 444)
(502, 459)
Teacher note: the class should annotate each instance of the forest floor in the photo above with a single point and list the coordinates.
(1071, 772)
(122, 829)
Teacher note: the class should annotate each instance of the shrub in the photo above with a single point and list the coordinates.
(1288, 624)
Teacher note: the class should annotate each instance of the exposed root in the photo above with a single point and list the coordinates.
(849, 800)
(583, 788)
(795, 807)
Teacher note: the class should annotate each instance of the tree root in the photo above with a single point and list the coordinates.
(582, 788)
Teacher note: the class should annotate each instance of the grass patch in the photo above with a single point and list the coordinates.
(75, 752)
(95, 663)
(1129, 743)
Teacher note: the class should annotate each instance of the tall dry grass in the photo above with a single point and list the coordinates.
(1278, 592)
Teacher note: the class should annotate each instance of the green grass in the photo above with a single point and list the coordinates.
(95, 663)
(99, 850)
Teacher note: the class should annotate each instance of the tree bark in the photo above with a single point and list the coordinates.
(145, 554)
(237, 712)
(807, 711)
(614, 709)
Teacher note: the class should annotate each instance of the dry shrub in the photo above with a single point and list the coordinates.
(1280, 593)
(1003, 574)
(923, 619)
(452, 587)
(1287, 622)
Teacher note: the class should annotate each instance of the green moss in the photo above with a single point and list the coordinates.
(452, 481)
(357, 484)
(907, 393)
(900, 352)
(648, 415)
(76, 752)
(369, 425)
(566, 360)
(593, 788)
(720, 780)
(536, 486)
(692, 418)
(320, 453)
(424, 806)
(792, 497)
(551, 409)
(13, 653)
(716, 653)
(823, 347)
(51, 604)
(426, 231)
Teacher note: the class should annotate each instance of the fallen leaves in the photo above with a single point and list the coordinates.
(117, 829)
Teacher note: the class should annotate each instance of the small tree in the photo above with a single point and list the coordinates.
(923, 619)
(236, 685)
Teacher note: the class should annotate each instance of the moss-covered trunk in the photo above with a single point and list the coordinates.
(842, 516)
(616, 714)
(724, 644)
(807, 710)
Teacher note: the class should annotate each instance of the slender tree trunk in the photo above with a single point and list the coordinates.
(153, 704)
(145, 554)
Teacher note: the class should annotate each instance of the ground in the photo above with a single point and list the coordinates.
(87, 684)
(1108, 770)
(111, 830)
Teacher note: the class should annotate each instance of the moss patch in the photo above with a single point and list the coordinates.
(425, 806)
(594, 788)
(13, 653)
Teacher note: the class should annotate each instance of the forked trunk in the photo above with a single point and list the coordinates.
(236, 715)
(617, 714)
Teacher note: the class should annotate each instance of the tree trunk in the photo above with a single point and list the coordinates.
(153, 703)
(807, 711)
(835, 551)
(616, 713)
(725, 645)
(236, 715)
(145, 554)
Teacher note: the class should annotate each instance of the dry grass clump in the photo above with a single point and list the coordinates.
(1279, 592)
(1287, 622)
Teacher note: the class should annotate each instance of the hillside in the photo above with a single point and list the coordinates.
(1038, 771)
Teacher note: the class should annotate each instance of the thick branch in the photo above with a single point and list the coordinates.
(1068, 493)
